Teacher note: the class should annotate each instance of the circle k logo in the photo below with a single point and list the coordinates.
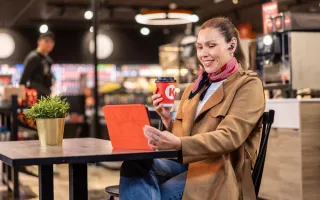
(170, 91)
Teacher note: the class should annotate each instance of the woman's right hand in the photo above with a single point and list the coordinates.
(164, 112)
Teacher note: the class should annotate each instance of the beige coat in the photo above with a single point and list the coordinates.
(220, 144)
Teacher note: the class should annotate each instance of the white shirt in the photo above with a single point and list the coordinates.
(213, 87)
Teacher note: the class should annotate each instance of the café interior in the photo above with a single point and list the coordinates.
(111, 52)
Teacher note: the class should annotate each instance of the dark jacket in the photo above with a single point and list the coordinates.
(37, 72)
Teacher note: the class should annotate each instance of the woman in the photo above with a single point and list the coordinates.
(215, 127)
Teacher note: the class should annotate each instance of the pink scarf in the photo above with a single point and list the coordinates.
(205, 79)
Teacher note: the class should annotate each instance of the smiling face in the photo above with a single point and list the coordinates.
(212, 49)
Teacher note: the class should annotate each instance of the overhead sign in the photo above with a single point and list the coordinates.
(268, 10)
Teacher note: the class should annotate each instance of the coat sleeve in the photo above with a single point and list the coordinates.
(247, 107)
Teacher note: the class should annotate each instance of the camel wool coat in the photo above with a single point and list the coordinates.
(220, 144)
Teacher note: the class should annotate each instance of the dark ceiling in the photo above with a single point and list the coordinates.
(120, 13)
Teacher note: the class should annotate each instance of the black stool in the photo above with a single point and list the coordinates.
(113, 191)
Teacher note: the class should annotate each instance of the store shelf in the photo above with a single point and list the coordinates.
(23, 125)
(7, 108)
(75, 123)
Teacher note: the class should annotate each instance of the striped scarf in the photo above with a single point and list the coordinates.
(205, 79)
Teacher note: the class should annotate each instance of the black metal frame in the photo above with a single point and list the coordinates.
(46, 182)
(9, 117)
(95, 4)
(267, 121)
(78, 182)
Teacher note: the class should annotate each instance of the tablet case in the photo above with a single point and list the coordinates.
(125, 124)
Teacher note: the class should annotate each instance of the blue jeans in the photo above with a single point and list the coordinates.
(152, 180)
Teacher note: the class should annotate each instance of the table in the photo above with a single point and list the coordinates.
(9, 118)
(75, 152)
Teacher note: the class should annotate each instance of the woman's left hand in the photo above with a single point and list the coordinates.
(161, 140)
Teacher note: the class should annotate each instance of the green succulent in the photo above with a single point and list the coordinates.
(48, 107)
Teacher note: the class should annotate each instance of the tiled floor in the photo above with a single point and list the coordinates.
(98, 178)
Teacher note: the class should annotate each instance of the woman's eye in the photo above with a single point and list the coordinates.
(211, 46)
(199, 47)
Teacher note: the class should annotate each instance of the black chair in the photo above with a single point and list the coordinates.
(267, 121)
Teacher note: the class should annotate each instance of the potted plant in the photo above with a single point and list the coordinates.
(49, 113)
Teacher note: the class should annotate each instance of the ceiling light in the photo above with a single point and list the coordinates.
(88, 14)
(8, 45)
(235, 1)
(43, 28)
(173, 6)
(91, 29)
(217, 1)
(104, 46)
(144, 31)
(171, 17)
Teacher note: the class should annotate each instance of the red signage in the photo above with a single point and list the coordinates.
(268, 10)
(245, 31)
(5, 80)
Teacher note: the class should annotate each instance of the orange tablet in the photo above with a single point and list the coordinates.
(125, 124)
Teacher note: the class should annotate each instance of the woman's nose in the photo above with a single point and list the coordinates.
(204, 53)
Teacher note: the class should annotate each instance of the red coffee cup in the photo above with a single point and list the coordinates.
(166, 87)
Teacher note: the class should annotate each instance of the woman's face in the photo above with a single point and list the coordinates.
(212, 49)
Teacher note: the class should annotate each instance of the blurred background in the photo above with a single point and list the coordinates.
(140, 40)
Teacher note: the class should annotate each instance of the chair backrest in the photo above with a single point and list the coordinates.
(267, 121)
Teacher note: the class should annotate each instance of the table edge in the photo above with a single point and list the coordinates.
(91, 158)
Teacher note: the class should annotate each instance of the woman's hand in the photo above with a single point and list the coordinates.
(164, 112)
(161, 140)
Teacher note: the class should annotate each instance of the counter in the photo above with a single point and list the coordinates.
(292, 166)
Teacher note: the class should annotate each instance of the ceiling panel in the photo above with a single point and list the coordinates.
(69, 13)
(14, 11)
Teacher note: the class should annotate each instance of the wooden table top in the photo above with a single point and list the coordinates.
(78, 150)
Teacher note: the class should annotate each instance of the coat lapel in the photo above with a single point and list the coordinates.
(189, 108)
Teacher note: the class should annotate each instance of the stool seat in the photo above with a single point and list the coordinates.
(113, 190)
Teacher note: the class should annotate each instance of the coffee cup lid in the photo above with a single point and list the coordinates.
(165, 79)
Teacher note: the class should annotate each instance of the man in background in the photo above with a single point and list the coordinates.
(37, 66)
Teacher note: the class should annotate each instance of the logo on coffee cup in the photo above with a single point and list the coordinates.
(170, 92)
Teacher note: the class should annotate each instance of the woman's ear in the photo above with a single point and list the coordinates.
(233, 45)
